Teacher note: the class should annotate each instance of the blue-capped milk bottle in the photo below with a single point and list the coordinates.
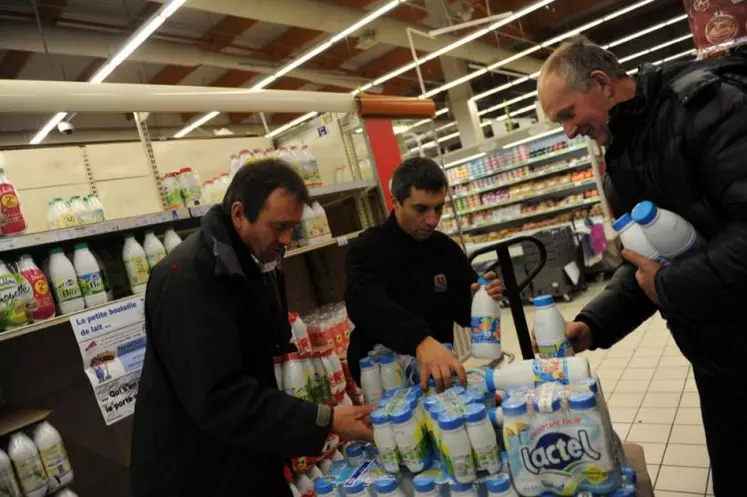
(486, 324)
(456, 450)
(670, 234)
(500, 486)
(482, 438)
(632, 237)
(388, 487)
(463, 490)
(516, 424)
(424, 486)
(549, 329)
(412, 446)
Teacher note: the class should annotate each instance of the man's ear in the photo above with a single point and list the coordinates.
(602, 79)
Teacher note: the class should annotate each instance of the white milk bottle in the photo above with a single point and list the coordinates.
(357, 489)
(304, 485)
(294, 377)
(173, 191)
(329, 373)
(53, 455)
(310, 373)
(60, 215)
(456, 449)
(324, 488)
(384, 440)
(633, 238)
(65, 283)
(171, 240)
(315, 473)
(534, 372)
(279, 363)
(294, 490)
(388, 487)
(311, 233)
(549, 329)
(463, 490)
(136, 264)
(80, 209)
(391, 372)
(207, 192)
(424, 486)
(8, 483)
(410, 442)
(325, 465)
(482, 438)
(154, 249)
(325, 395)
(517, 422)
(245, 157)
(321, 219)
(486, 324)
(668, 233)
(93, 202)
(500, 486)
(190, 187)
(31, 475)
(300, 332)
(354, 454)
(89, 276)
(371, 381)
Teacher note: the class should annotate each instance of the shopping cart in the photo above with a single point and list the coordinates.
(511, 288)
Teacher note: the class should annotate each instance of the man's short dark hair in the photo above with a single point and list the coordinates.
(254, 182)
(418, 172)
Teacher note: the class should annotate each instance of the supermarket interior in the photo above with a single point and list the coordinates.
(123, 124)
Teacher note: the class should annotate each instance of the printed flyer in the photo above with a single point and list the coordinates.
(111, 339)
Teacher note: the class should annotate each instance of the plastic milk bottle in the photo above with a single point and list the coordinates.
(410, 441)
(500, 486)
(65, 283)
(89, 276)
(486, 324)
(516, 425)
(668, 233)
(482, 438)
(53, 455)
(534, 372)
(549, 329)
(154, 250)
(456, 450)
(171, 240)
(11, 217)
(31, 475)
(633, 238)
(136, 264)
(384, 440)
(424, 486)
(8, 483)
(388, 487)
(391, 372)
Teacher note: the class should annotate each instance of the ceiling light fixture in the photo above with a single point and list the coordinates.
(285, 127)
(133, 42)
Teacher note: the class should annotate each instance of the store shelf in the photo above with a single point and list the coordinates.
(528, 162)
(339, 241)
(529, 177)
(88, 230)
(538, 195)
(559, 209)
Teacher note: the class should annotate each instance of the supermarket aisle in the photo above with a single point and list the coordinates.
(653, 400)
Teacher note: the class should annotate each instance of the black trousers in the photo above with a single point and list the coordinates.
(723, 403)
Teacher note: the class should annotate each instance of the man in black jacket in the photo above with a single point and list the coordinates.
(675, 134)
(407, 284)
(210, 420)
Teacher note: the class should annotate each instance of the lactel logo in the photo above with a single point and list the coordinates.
(555, 451)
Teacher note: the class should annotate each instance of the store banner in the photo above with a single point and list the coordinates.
(111, 339)
(717, 25)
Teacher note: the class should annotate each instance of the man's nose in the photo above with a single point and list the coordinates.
(431, 220)
(286, 237)
(571, 130)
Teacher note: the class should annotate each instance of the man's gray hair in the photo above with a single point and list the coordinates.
(577, 58)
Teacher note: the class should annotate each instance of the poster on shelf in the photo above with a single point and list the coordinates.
(111, 339)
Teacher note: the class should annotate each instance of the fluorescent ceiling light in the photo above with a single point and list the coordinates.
(466, 159)
(439, 112)
(305, 57)
(645, 31)
(285, 127)
(133, 42)
(507, 103)
(654, 49)
(533, 137)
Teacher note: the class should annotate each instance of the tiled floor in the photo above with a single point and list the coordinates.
(652, 399)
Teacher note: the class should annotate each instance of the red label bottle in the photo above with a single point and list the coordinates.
(11, 218)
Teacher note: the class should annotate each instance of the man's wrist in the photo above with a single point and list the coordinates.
(324, 415)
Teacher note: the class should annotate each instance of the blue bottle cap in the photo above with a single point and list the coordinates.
(621, 222)
(323, 487)
(474, 413)
(385, 485)
(629, 475)
(449, 346)
(449, 422)
(489, 380)
(461, 487)
(543, 300)
(383, 402)
(590, 383)
(424, 483)
(498, 483)
(354, 450)
(495, 414)
(402, 416)
(355, 488)
(429, 402)
(416, 390)
(644, 212)
(554, 405)
(367, 362)
(379, 417)
(624, 491)
(484, 281)
(457, 389)
(413, 403)
(388, 358)
(515, 405)
(582, 400)
(504, 457)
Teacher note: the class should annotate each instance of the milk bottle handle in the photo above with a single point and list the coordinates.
(511, 288)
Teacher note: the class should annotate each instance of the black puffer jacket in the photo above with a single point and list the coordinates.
(681, 142)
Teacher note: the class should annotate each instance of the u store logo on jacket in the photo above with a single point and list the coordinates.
(439, 282)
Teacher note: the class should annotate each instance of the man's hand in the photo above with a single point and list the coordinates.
(646, 274)
(494, 288)
(578, 333)
(437, 361)
(351, 422)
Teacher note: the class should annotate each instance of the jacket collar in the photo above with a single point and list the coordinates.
(624, 114)
(226, 246)
(405, 241)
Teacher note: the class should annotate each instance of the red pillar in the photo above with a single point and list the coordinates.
(385, 152)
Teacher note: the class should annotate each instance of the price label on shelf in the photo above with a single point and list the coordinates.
(342, 241)
(8, 244)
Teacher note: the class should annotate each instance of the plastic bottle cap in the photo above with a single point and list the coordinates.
(543, 300)
(367, 362)
(514, 406)
(81, 246)
(385, 485)
(461, 487)
(354, 450)
(388, 358)
(457, 389)
(489, 379)
(495, 414)
(581, 400)
(484, 281)
(57, 250)
(323, 487)
(379, 417)
(429, 402)
(474, 413)
(498, 483)
(624, 491)
(554, 405)
(402, 416)
(621, 222)
(449, 346)
(629, 475)
(449, 422)
(423, 483)
(590, 383)
(382, 402)
(416, 390)
(355, 488)
(644, 212)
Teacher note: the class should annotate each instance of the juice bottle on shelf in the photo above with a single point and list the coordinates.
(16, 298)
(43, 307)
(136, 264)
(549, 329)
(171, 240)
(11, 218)
(8, 484)
(89, 276)
(65, 283)
(94, 204)
(31, 475)
(154, 249)
(190, 187)
(53, 455)
(486, 324)
(173, 191)
(310, 167)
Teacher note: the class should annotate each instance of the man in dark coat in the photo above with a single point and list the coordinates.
(210, 420)
(675, 134)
